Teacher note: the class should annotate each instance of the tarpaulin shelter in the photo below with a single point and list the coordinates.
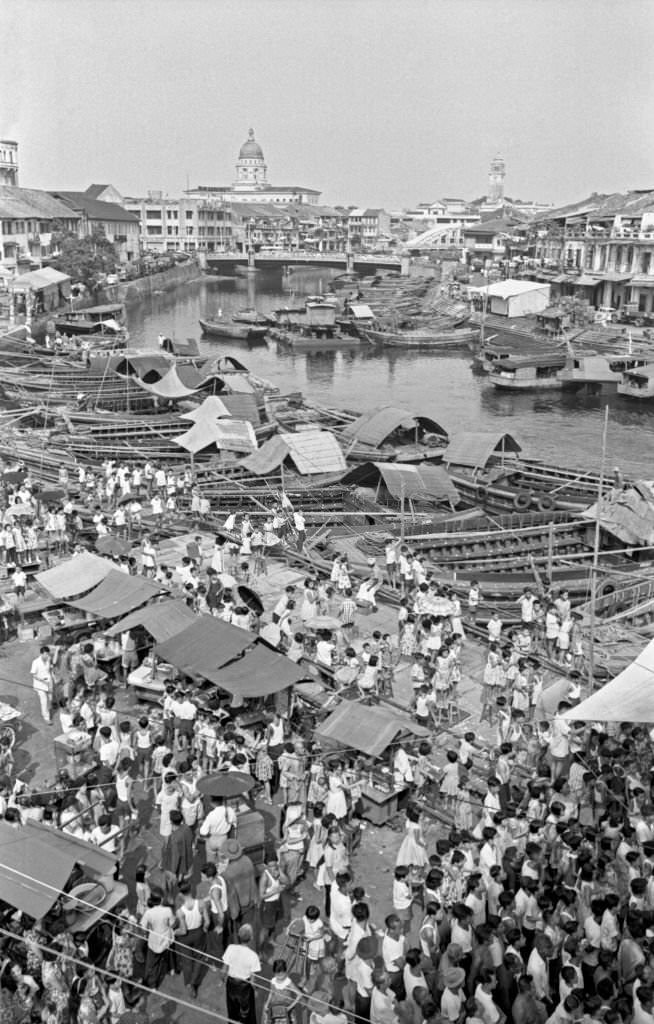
(627, 698)
(227, 435)
(310, 451)
(204, 646)
(161, 620)
(627, 514)
(36, 863)
(76, 576)
(475, 450)
(368, 728)
(258, 673)
(170, 386)
(375, 426)
(424, 482)
(118, 593)
(51, 285)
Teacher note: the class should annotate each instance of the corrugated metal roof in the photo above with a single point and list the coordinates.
(315, 451)
(118, 593)
(475, 449)
(205, 645)
(76, 576)
(259, 672)
(360, 311)
(370, 729)
(373, 427)
(162, 620)
(507, 289)
(403, 480)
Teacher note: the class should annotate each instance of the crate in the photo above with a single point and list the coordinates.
(25, 634)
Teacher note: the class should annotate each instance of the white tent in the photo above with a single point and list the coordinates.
(627, 698)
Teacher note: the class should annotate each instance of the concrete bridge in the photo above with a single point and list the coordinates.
(363, 263)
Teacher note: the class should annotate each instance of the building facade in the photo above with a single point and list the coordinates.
(119, 226)
(182, 225)
(28, 219)
(8, 162)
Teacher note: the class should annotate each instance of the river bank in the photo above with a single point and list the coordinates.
(132, 292)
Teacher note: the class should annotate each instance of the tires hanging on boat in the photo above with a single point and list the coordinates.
(545, 503)
(522, 500)
(481, 492)
(605, 589)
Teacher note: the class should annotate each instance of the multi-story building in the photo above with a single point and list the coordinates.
(251, 182)
(265, 226)
(8, 162)
(602, 248)
(369, 229)
(118, 225)
(28, 218)
(182, 225)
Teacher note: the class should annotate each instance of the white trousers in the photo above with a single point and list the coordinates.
(44, 701)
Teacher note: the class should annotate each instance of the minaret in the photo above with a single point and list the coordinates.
(8, 162)
(496, 177)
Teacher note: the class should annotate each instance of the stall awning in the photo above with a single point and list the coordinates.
(205, 646)
(162, 620)
(76, 576)
(33, 870)
(259, 672)
(118, 593)
(586, 281)
(368, 729)
(627, 698)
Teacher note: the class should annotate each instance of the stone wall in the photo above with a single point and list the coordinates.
(131, 292)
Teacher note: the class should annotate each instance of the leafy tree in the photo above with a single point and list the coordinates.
(84, 259)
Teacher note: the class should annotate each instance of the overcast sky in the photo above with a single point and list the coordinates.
(376, 102)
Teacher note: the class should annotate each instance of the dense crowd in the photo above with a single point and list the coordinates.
(522, 889)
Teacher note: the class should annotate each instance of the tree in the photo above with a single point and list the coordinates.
(84, 259)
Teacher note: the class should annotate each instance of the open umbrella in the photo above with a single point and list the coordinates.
(226, 784)
(20, 509)
(324, 622)
(110, 545)
(244, 595)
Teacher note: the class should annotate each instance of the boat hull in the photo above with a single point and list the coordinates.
(448, 339)
(246, 332)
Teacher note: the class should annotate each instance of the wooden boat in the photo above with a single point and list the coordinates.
(598, 371)
(309, 341)
(632, 603)
(250, 316)
(638, 383)
(528, 373)
(229, 329)
(107, 319)
(428, 338)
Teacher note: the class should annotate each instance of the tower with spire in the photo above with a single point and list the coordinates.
(496, 177)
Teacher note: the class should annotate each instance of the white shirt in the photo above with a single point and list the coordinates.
(392, 951)
(242, 962)
(340, 918)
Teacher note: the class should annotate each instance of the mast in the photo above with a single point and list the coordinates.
(593, 571)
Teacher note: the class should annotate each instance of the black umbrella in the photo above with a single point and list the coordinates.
(244, 595)
(226, 784)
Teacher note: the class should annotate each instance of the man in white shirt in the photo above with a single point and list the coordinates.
(538, 968)
(240, 963)
(43, 681)
(216, 827)
(340, 915)
(558, 748)
(453, 999)
(393, 950)
(105, 834)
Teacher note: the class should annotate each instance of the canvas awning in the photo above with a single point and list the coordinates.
(586, 281)
(627, 514)
(311, 451)
(169, 386)
(405, 481)
(374, 426)
(627, 698)
(259, 672)
(118, 593)
(161, 620)
(211, 408)
(227, 435)
(148, 368)
(76, 576)
(36, 862)
(475, 449)
(205, 645)
(370, 729)
(39, 280)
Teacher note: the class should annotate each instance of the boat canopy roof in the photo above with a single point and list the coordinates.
(474, 450)
(519, 362)
(375, 426)
(310, 451)
(422, 481)
(627, 514)
(641, 372)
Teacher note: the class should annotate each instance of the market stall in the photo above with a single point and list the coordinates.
(372, 729)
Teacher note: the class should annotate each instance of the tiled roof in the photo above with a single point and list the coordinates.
(31, 203)
(95, 209)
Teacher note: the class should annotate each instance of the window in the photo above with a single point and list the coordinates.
(189, 214)
(7, 227)
(153, 214)
(153, 229)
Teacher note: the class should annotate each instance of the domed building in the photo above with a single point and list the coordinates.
(251, 183)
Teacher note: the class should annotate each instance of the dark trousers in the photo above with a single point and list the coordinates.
(188, 951)
(240, 1002)
(361, 1007)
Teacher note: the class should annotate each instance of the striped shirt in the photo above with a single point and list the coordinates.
(348, 611)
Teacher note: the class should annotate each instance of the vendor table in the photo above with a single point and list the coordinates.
(86, 919)
(379, 807)
(148, 686)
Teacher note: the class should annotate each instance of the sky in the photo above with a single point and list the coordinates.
(374, 102)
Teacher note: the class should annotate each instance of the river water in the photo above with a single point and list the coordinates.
(556, 426)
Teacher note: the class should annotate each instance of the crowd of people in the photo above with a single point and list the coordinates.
(522, 889)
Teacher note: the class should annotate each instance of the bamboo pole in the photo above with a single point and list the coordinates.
(594, 567)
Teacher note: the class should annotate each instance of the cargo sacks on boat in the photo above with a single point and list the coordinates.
(627, 698)
(311, 451)
(474, 450)
(375, 426)
(423, 481)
